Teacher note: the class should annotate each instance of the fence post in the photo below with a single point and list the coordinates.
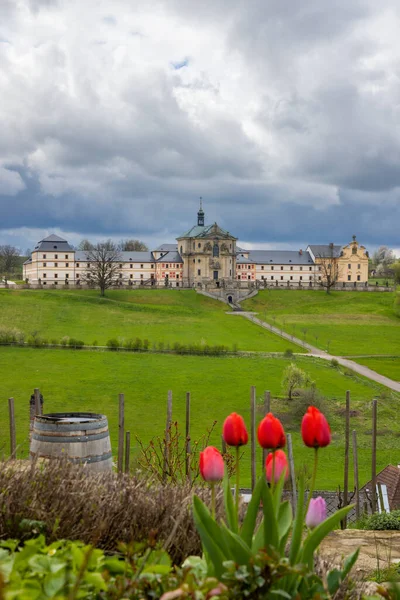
(187, 466)
(292, 473)
(346, 459)
(374, 420)
(253, 435)
(13, 443)
(127, 451)
(267, 409)
(38, 406)
(121, 428)
(167, 434)
(356, 482)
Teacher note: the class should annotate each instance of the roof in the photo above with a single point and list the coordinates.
(202, 231)
(276, 257)
(27, 261)
(137, 257)
(54, 242)
(389, 476)
(166, 248)
(173, 257)
(325, 251)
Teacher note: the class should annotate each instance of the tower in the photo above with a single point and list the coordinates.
(200, 214)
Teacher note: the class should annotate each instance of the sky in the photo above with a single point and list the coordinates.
(284, 116)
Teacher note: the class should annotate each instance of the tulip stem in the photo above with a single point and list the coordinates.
(314, 475)
(213, 499)
(237, 483)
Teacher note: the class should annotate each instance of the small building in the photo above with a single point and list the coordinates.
(390, 477)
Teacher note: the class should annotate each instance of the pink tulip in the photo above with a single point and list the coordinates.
(316, 512)
(281, 465)
(211, 464)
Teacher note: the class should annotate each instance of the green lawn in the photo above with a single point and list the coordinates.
(346, 323)
(157, 315)
(89, 380)
(387, 366)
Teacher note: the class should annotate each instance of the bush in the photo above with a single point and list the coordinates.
(112, 344)
(11, 336)
(396, 306)
(334, 363)
(384, 521)
(64, 341)
(306, 398)
(95, 343)
(73, 343)
(288, 353)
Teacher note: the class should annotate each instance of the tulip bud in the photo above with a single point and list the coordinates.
(281, 466)
(211, 464)
(315, 429)
(270, 433)
(234, 431)
(316, 512)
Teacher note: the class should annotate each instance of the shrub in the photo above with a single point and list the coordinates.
(54, 342)
(104, 507)
(288, 353)
(146, 344)
(295, 378)
(396, 306)
(113, 344)
(384, 521)
(95, 343)
(11, 336)
(334, 363)
(64, 341)
(305, 398)
(74, 343)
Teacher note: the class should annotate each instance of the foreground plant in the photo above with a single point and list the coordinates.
(264, 551)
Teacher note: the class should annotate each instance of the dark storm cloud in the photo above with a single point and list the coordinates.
(283, 115)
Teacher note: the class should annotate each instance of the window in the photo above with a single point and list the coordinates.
(88, 265)
(239, 267)
(152, 266)
(248, 276)
(272, 276)
(301, 278)
(216, 250)
(358, 278)
(131, 276)
(281, 277)
(131, 266)
(67, 264)
(310, 277)
(56, 256)
(55, 275)
(194, 246)
(56, 283)
(44, 283)
(272, 268)
(198, 271)
(177, 275)
(44, 256)
(120, 266)
(167, 266)
(66, 276)
(291, 268)
(348, 277)
(77, 275)
(349, 266)
(319, 278)
(141, 266)
(281, 268)
(56, 264)
(77, 265)
(262, 267)
(44, 275)
(291, 278)
(262, 277)
(181, 249)
(141, 275)
(120, 275)
(163, 266)
(45, 264)
(301, 268)
(198, 260)
(358, 266)
(310, 268)
(199, 245)
(66, 256)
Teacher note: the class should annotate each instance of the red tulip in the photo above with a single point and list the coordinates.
(234, 431)
(211, 464)
(270, 433)
(315, 429)
(281, 465)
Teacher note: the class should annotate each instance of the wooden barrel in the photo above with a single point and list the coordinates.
(81, 438)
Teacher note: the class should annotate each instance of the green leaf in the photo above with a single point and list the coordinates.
(270, 524)
(298, 524)
(258, 539)
(249, 522)
(238, 550)
(284, 523)
(54, 583)
(208, 537)
(95, 580)
(314, 538)
(230, 509)
(334, 579)
(350, 562)
(160, 569)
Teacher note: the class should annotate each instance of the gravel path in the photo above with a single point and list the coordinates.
(313, 351)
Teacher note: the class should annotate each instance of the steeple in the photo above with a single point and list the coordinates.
(200, 214)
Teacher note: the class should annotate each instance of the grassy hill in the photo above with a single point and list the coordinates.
(157, 315)
(89, 380)
(348, 323)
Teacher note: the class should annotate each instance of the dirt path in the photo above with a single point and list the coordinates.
(345, 362)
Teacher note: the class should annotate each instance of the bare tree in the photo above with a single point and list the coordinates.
(9, 258)
(85, 244)
(132, 246)
(102, 268)
(329, 268)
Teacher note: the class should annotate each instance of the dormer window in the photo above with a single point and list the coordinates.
(55, 247)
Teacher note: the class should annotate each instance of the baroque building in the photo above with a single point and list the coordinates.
(205, 256)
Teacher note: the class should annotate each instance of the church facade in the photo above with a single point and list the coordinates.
(205, 256)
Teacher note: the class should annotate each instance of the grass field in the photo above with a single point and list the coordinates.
(346, 323)
(160, 316)
(89, 380)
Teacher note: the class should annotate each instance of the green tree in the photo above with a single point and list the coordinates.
(295, 378)
(395, 267)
